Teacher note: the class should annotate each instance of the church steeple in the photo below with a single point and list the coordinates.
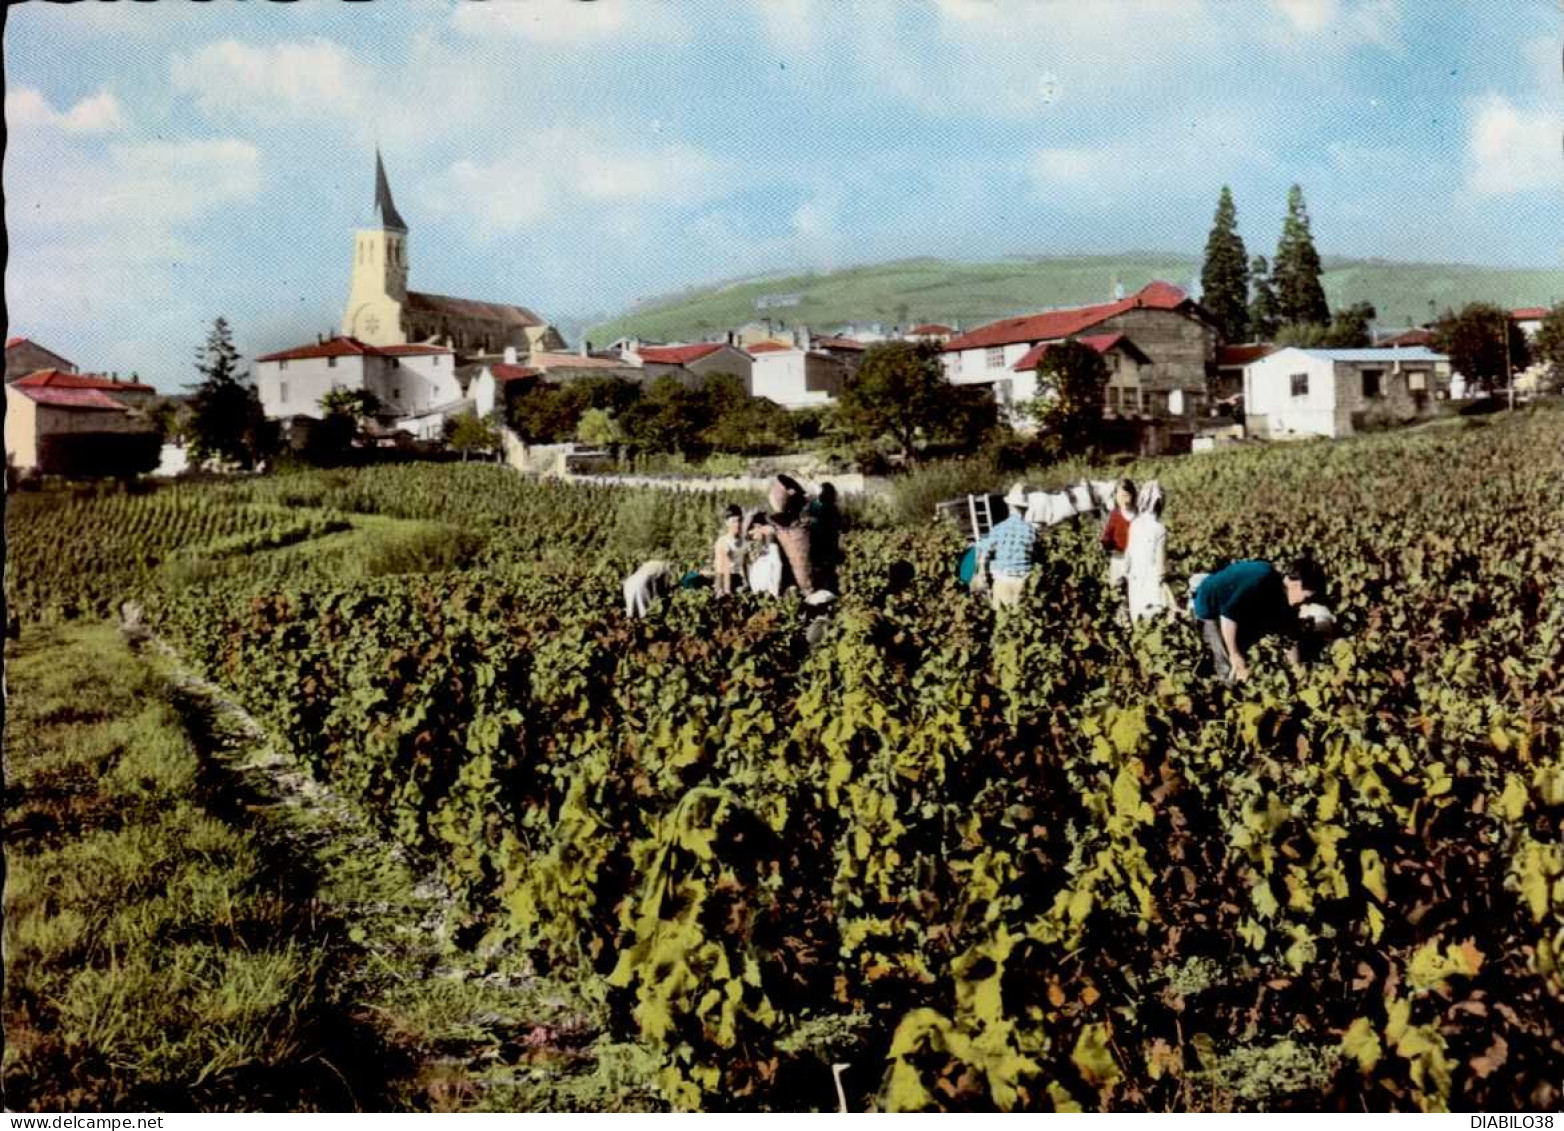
(379, 287)
(390, 218)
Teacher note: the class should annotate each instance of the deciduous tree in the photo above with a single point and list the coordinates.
(1474, 340)
(899, 389)
(1070, 378)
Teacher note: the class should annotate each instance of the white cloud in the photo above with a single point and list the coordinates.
(1347, 22)
(1071, 166)
(1513, 149)
(282, 81)
(791, 27)
(97, 114)
(562, 170)
(567, 22)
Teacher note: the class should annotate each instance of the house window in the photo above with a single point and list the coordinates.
(331, 362)
(1417, 380)
(994, 358)
(396, 395)
(1300, 384)
(282, 365)
(282, 392)
(1373, 387)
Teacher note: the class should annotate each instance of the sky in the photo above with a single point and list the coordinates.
(170, 162)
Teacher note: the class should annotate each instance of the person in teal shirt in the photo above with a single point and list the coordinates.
(1248, 600)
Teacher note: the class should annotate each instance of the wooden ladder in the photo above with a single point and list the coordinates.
(980, 514)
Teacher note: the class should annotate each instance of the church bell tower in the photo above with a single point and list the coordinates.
(379, 286)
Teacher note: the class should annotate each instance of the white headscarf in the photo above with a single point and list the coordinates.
(1151, 499)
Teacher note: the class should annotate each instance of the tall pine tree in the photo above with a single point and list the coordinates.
(1224, 279)
(1263, 319)
(226, 418)
(1300, 298)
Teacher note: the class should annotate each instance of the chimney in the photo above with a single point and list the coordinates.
(731, 338)
(586, 347)
(510, 355)
(801, 337)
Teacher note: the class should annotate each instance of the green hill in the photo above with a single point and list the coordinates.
(911, 291)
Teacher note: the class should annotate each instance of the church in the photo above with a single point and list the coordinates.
(381, 311)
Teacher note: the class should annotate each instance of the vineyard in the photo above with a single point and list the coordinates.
(1027, 862)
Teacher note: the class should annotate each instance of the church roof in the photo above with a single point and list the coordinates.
(422, 303)
(384, 205)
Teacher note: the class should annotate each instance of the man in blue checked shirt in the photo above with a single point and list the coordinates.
(1010, 545)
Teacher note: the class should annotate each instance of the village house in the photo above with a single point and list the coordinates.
(405, 379)
(849, 351)
(381, 311)
(930, 332)
(24, 356)
(1294, 393)
(796, 377)
(1174, 334)
(62, 423)
(701, 359)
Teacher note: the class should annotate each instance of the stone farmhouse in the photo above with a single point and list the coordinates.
(24, 356)
(59, 422)
(1159, 323)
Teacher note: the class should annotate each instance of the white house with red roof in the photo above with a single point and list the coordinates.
(795, 377)
(1169, 329)
(930, 332)
(53, 419)
(407, 379)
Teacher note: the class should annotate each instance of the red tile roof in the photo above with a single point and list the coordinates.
(503, 372)
(9, 342)
(840, 344)
(331, 347)
(1055, 324)
(678, 355)
(59, 379)
(767, 347)
(929, 328)
(1229, 356)
(1102, 343)
(1529, 314)
(71, 398)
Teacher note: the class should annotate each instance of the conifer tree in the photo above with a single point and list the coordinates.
(1224, 278)
(1295, 274)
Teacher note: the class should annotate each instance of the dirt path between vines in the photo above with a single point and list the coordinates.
(454, 1029)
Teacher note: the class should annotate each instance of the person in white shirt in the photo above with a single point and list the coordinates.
(765, 568)
(1146, 556)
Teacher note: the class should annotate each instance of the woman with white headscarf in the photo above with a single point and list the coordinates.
(1146, 556)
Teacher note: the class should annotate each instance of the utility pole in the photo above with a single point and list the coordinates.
(1509, 374)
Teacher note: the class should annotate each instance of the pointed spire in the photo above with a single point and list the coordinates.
(389, 216)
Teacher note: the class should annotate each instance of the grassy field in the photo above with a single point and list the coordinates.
(908, 292)
(183, 934)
